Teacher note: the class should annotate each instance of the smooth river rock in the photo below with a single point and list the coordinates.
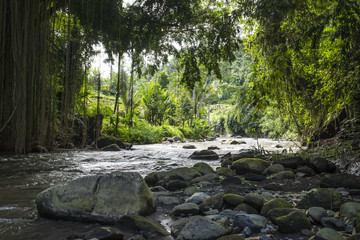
(98, 198)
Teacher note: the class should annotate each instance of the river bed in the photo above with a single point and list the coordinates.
(23, 177)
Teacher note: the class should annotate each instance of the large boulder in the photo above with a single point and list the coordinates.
(320, 165)
(321, 197)
(249, 165)
(203, 168)
(328, 234)
(233, 199)
(316, 213)
(350, 209)
(274, 203)
(201, 228)
(204, 155)
(214, 202)
(253, 221)
(255, 200)
(275, 168)
(104, 141)
(186, 209)
(183, 173)
(340, 180)
(98, 198)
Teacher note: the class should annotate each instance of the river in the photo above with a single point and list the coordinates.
(23, 177)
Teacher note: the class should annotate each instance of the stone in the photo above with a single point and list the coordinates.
(214, 202)
(236, 142)
(224, 171)
(183, 173)
(321, 197)
(136, 237)
(104, 141)
(308, 171)
(168, 200)
(213, 148)
(354, 237)
(320, 165)
(199, 228)
(186, 209)
(208, 177)
(174, 185)
(98, 198)
(273, 187)
(203, 168)
(140, 223)
(357, 223)
(291, 162)
(254, 177)
(226, 163)
(328, 234)
(177, 139)
(334, 223)
(340, 180)
(204, 155)
(233, 199)
(350, 209)
(189, 146)
(246, 208)
(231, 181)
(274, 203)
(100, 233)
(255, 200)
(232, 237)
(316, 213)
(253, 221)
(190, 190)
(198, 198)
(284, 175)
(178, 225)
(279, 212)
(293, 222)
(275, 168)
(249, 165)
(112, 147)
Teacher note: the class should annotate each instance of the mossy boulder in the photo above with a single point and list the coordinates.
(340, 180)
(141, 223)
(255, 200)
(208, 177)
(203, 168)
(249, 165)
(321, 197)
(291, 162)
(244, 207)
(274, 203)
(204, 155)
(233, 199)
(357, 223)
(279, 212)
(275, 168)
(224, 171)
(98, 198)
(284, 175)
(328, 234)
(214, 202)
(293, 222)
(183, 173)
(350, 209)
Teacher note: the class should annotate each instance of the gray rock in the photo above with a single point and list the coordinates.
(174, 185)
(224, 171)
(198, 198)
(320, 165)
(168, 200)
(275, 168)
(178, 225)
(284, 175)
(334, 223)
(204, 155)
(316, 213)
(340, 180)
(246, 231)
(321, 197)
(182, 173)
(328, 234)
(140, 223)
(274, 203)
(231, 181)
(214, 202)
(189, 146)
(350, 209)
(232, 237)
(306, 170)
(99, 198)
(233, 199)
(213, 148)
(249, 165)
(186, 209)
(254, 177)
(253, 221)
(201, 228)
(246, 208)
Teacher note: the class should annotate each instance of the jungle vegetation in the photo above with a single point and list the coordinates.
(272, 68)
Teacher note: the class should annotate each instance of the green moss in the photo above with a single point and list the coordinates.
(293, 222)
(357, 223)
(233, 199)
(143, 223)
(321, 197)
(274, 203)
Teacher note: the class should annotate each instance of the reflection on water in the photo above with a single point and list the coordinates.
(24, 177)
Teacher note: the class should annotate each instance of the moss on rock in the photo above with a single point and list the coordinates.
(293, 222)
(233, 199)
(274, 203)
(246, 165)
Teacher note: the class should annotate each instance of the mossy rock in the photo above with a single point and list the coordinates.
(233, 199)
(183, 173)
(274, 203)
(244, 207)
(293, 222)
(321, 197)
(357, 223)
(246, 165)
(152, 179)
(273, 169)
(142, 223)
(328, 234)
(279, 212)
(284, 175)
(224, 171)
(255, 200)
(214, 202)
(354, 237)
(203, 168)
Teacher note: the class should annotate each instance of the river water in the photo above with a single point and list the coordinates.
(23, 177)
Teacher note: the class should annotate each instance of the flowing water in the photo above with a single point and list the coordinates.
(23, 177)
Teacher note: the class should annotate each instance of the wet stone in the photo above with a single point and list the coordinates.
(186, 209)
(198, 197)
(334, 223)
